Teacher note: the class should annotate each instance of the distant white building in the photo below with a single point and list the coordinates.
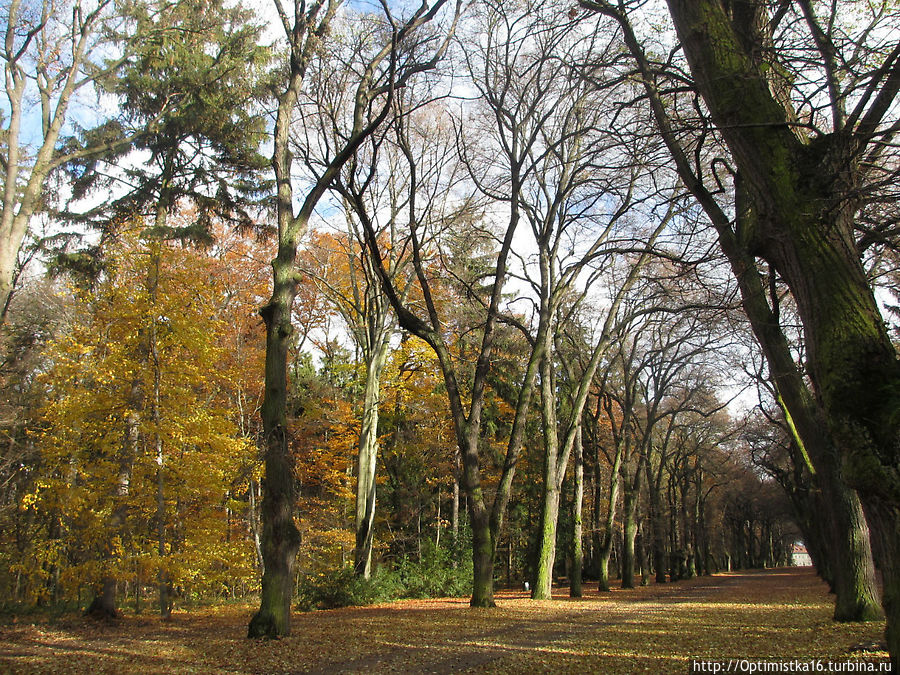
(800, 556)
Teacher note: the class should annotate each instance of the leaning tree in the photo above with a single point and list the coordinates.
(803, 97)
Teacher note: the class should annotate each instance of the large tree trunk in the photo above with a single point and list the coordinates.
(657, 522)
(604, 553)
(366, 462)
(798, 199)
(847, 370)
(103, 605)
(885, 536)
(629, 523)
(577, 504)
(804, 194)
(848, 568)
(546, 557)
(657, 536)
(479, 517)
(482, 557)
(855, 588)
(687, 532)
(280, 536)
(546, 554)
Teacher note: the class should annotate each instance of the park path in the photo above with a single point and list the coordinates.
(519, 644)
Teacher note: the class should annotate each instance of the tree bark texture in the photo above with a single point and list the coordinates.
(553, 475)
(280, 539)
(630, 498)
(804, 195)
(366, 462)
(577, 504)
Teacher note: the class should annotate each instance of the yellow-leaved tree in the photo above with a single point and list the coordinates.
(141, 443)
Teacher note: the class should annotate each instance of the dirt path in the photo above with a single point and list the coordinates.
(658, 628)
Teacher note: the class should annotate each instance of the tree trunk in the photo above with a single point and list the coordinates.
(454, 508)
(546, 553)
(804, 195)
(253, 517)
(596, 518)
(657, 524)
(803, 201)
(280, 536)
(103, 605)
(605, 545)
(834, 508)
(546, 556)
(629, 528)
(577, 503)
(163, 584)
(366, 462)
(479, 518)
(630, 500)
(699, 528)
(855, 587)
(165, 608)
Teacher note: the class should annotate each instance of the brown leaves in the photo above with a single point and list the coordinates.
(659, 628)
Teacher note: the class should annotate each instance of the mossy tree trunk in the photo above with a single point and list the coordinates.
(631, 479)
(839, 518)
(804, 193)
(577, 527)
(553, 476)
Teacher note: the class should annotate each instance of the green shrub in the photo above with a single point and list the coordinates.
(436, 575)
(342, 588)
(441, 572)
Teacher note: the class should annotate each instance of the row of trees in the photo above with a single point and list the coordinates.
(132, 460)
(566, 204)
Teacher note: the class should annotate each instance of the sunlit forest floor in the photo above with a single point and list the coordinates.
(658, 628)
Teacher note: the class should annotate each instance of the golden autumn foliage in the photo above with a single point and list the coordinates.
(145, 427)
(324, 440)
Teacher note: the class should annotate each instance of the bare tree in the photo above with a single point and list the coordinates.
(382, 69)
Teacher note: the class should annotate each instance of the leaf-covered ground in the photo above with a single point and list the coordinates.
(776, 613)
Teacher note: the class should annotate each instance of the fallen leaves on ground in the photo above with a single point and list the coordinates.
(659, 628)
